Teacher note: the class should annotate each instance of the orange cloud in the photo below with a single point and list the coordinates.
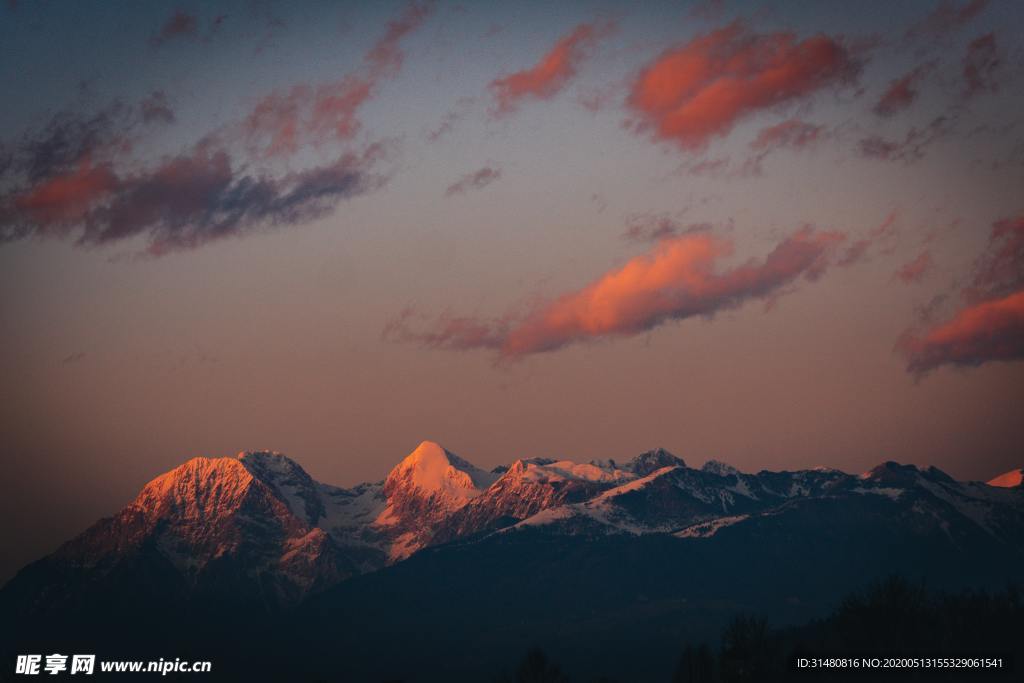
(701, 89)
(987, 331)
(679, 278)
(550, 74)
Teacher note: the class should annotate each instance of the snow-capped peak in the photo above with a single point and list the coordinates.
(1010, 479)
(720, 468)
(433, 469)
(545, 470)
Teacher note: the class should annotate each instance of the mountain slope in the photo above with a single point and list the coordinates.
(208, 528)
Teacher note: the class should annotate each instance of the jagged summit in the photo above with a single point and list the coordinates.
(1011, 479)
(289, 482)
(258, 525)
(648, 462)
(894, 473)
(201, 487)
(720, 468)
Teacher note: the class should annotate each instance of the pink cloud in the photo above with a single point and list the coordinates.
(703, 88)
(547, 77)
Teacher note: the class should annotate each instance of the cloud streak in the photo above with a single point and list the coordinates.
(679, 278)
(477, 180)
(700, 90)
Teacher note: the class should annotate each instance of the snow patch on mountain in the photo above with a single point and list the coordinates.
(710, 527)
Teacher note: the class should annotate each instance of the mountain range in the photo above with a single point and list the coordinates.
(611, 548)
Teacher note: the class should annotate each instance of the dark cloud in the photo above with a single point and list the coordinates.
(980, 65)
(857, 250)
(66, 139)
(75, 137)
(156, 108)
(448, 121)
(790, 134)
(180, 24)
(913, 145)
(1000, 269)
(655, 227)
(476, 180)
(182, 203)
(947, 17)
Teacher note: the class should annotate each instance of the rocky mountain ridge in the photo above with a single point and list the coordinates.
(258, 527)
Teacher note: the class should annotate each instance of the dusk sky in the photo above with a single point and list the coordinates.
(780, 235)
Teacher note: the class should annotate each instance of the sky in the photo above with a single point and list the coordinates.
(780, 235)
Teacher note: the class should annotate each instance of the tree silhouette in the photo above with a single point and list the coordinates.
(696, 665)
(749, 652)
(535, 667)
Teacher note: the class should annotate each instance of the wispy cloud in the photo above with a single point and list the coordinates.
(477, 180)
